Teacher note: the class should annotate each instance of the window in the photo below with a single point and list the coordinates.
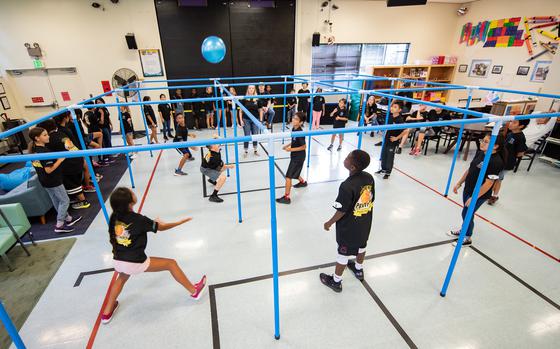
(355, 58)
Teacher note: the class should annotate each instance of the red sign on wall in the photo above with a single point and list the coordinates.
(106, 86)
(65, 96)
(37, 100)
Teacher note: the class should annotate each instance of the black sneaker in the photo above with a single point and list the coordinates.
(399, 150)
(339, 148)
(284, 200)
(380, 172)
(371, 134)
(378, 144)
(454, 233)
(328, 281)
(386, 176)
(300, 185)
(215, 198)
(358, 273)
(73, 221)
(329, 148)
(212, 182)
(63, 229)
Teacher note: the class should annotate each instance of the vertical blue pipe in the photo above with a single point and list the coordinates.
(144, 119)
(216, 108)
(470, 211)
(225, 130)
(389, 101)
(457, 146)
(125, 144)
(274, 239)
(10, 328)
(236, 152)
(361, 123)
(310, 120)
(284, 107)
(90, 167)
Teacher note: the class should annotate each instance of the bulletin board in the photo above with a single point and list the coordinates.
(151, 62)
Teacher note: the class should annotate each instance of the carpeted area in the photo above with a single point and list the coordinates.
(111, 176)
(22, 288)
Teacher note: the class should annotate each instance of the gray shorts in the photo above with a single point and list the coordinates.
(428, 131)
(210, 173)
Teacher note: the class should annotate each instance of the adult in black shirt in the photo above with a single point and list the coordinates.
(318, 109)
(392, 140)
(165, 115)
(470, 177)
(128, 237)
(150, 119)
(249, 127)
(303, 101)
(353, 217)
(297, 158)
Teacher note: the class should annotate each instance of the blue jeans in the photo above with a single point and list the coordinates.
(60, 201)
(269, 115)
(249, 128)
(106, 137)
(167, 127)
(478, 203)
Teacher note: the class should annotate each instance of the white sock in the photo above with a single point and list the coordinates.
(68, 218)
(358, 266)
(337, 278)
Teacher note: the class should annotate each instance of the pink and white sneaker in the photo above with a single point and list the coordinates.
(199, 287)
(105, 319)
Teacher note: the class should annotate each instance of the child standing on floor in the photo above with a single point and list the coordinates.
(209, 108)
(495, 166)
(392, 139)
(150, 120)
(128, 236)
(213, 167)
(182, 135)
(50, 177)
(297, 159)
(165, 116)
(340, 114)
(516, 146)
(354, 212)
(318, 109)
(291, 106)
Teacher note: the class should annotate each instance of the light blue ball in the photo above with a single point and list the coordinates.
(213, 49)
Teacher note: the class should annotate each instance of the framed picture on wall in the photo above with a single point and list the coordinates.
(463, 68)
(540, 71)
(497, 69)
(523, 70)
(5, 102)
(480, 68)
(2, 91)
(151, 62)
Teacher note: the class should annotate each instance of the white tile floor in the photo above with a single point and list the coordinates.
(485, 307)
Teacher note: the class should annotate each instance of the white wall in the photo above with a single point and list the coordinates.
(509, 57)
(74, 34)
(429, 29)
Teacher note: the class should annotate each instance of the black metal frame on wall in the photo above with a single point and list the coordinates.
(259, 40)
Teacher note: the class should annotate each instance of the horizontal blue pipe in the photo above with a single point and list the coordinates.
(245, 110)
(418, 89)
(96, 97)
(25, 126)
(203, 142)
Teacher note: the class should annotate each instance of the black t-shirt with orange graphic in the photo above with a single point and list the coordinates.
(130, 232)
(355, 198)
(59, 141)
(47, 180)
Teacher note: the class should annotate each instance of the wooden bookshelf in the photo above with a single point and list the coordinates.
(435, 73)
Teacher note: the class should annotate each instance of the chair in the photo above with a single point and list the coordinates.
(13, 225)
(435, 138)
(531, 153)
(32, 196)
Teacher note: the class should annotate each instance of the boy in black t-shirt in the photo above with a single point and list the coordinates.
(182, 135)
(50, 177)
(297, 159)
(291, 106)
(470, 177)
(165, 116)
(392, 139)
(516, 146)
(340, 114)
(303, 101)
(213, 167)
(354, 212)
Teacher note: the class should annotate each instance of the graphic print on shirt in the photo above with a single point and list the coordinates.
(68, 145)
(122, 234)
(36, 164)
(364, 204)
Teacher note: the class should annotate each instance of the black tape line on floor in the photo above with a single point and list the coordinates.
(92, 272)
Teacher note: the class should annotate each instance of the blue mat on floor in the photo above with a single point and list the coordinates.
(111, 176)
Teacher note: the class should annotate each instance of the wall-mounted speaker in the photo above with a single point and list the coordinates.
(316, 39)
(131, 41)
(391, 3)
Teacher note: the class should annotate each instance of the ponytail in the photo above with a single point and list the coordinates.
(120, 201)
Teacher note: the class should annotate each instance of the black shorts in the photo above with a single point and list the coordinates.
(73, 183)
(294, 168)
(184, 151)
(345, 250)
(335, 125)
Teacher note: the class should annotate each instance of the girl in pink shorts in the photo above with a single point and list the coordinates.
(128, 236)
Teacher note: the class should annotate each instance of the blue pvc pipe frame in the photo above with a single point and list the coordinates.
(144, 120)
(121, 121)
(483, 118)
(10, 327)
